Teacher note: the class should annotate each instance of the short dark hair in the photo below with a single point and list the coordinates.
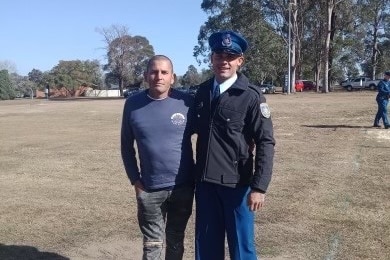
(158, 57)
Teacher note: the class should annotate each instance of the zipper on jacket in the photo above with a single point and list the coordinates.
(210, 131)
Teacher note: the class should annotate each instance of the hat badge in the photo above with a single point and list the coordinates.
(226, 40)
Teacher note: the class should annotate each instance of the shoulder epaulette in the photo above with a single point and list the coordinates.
(256, 89)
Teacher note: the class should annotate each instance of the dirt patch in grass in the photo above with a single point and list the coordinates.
(64, 193)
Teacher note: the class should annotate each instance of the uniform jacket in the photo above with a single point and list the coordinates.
(225, 133)
(383, 90)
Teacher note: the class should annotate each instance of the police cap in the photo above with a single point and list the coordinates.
(228, 41)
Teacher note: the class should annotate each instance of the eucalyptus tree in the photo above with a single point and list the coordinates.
(265, 46)
(312, 32)
(320, 32)
(330, 39)
(312, 28)
(191, 77)
(358, 35)
(283, 16)
(383, 59)
(127, 55)
(375, 19)
(330, 6)
(345, 50)
(206, 74)
(356, 31)
(295, 43)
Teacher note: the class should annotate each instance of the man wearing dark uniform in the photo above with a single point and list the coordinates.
(383, 100)
(231, 116)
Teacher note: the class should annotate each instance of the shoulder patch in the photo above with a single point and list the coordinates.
(265, 111)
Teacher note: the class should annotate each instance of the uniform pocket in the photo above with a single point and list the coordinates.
(229, 119)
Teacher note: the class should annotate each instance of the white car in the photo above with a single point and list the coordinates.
(267, 88)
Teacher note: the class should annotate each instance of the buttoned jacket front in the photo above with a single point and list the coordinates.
(227, 128)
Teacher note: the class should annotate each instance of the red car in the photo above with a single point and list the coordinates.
(301, 85)
(298, 85)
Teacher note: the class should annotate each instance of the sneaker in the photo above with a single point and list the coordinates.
(377, 126)
(387, 126)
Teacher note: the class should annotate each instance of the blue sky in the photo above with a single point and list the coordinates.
(38, 34)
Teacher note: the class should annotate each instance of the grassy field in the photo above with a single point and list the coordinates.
(65, 195)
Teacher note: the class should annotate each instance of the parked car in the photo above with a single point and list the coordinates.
(183, 89)
(308, 85)
(267, 88)
(302, 84)
(360, 83)
(298, 86)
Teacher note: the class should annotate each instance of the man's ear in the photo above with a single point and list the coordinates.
(240, 62)
(174, 78)
(242, 59)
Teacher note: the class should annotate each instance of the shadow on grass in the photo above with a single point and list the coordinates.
(84, 98)
(17, 252)
(339, 126)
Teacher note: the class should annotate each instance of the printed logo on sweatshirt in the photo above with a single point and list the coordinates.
(178, 119)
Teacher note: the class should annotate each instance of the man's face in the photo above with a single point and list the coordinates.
(160, 77)
(225, 65)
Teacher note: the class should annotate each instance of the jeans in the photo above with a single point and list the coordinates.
(382, 111)
(171, 208)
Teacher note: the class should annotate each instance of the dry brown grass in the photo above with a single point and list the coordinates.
(64, 193)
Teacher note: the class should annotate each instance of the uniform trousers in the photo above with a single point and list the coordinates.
(221, 210)
(382, 111)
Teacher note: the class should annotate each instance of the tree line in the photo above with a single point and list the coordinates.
(330, 40)
(325, 41)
